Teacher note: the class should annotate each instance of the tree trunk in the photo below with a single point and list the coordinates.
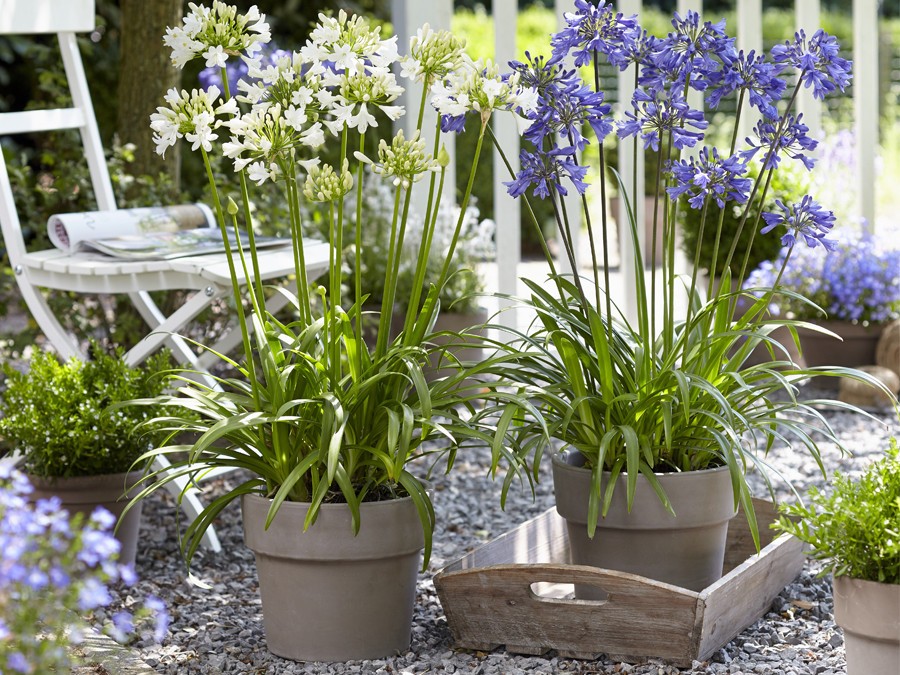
(146, 73)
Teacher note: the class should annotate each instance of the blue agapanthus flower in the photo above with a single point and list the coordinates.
(710, 176)
(546, 171)
(782, 137)
(658, 112)
(594, 28)
(818, 60)
(806, 219)
(565, 104)
(693, 53)
(755, 76)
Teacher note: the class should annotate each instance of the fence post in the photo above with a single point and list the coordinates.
(865, 102)
(407, 17)
(627, 167)
(808, 18)
(507, 211)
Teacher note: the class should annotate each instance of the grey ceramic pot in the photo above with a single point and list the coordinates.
(83, 494)
(328, 595)
(869, 613)
(685, 550)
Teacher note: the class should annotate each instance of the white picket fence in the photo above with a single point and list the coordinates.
(409, 14)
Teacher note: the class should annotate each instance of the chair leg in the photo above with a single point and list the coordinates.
(64, 344)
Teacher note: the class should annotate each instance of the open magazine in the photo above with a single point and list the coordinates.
(154, 233)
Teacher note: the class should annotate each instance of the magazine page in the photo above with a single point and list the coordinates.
(169, 245)
(69, 231)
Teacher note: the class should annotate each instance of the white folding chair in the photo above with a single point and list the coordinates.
(207, 275)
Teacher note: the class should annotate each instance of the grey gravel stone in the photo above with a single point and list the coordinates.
(219, 630)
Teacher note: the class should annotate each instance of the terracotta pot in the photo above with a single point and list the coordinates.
(685, 550)
(328, 595)
(83, 494)
(869, 613)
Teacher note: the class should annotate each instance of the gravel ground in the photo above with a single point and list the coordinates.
(219, 629)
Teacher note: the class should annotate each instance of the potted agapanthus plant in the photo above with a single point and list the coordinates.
(852, 528)
(660, 417)
(856, 291)
(326, 426)
(73, 445)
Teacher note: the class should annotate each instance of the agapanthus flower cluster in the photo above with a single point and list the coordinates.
(432, 55)
(753, 74)
(53, 572)
(594, 29)
(818, 60)
(806, 219)
(404, 161)
(694, 53)
(710, 177)
(478, 86)
(565, 104)
(194, 116)
(784, 137)
(859, 280)
(659, 113)
(215, 33)
(324, 184)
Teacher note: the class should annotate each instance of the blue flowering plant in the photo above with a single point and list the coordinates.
(314, 413)
(667, 390)
(857, 281)
(55, 572)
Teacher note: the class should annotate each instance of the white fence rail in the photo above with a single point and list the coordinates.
(408, 14)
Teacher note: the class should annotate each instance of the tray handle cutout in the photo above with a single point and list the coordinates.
(558, 593)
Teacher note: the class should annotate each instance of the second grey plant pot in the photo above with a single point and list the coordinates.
(83, 494)
(685, 550)
(328, 595)
(467, 351)
(869, 613)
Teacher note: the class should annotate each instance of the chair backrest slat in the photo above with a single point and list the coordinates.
(31, 121)
(25, 17)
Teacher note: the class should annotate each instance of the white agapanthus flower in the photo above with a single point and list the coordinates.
(193, 116)
(360, 90)
(478, 85)
(405, 160)
(215, 33)
(432, 55)
(350, 43)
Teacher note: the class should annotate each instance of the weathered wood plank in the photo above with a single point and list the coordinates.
(745, 594)
(497, 605)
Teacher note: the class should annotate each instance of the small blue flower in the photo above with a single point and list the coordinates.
(158, 607)
(804, 219)
(817, 60)
(17, 663)
(93, 594)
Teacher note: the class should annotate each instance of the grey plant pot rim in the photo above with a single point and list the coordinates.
(877, 599)
(559, 459)
(330, 537)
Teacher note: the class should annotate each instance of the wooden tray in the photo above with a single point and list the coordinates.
(517, 591)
